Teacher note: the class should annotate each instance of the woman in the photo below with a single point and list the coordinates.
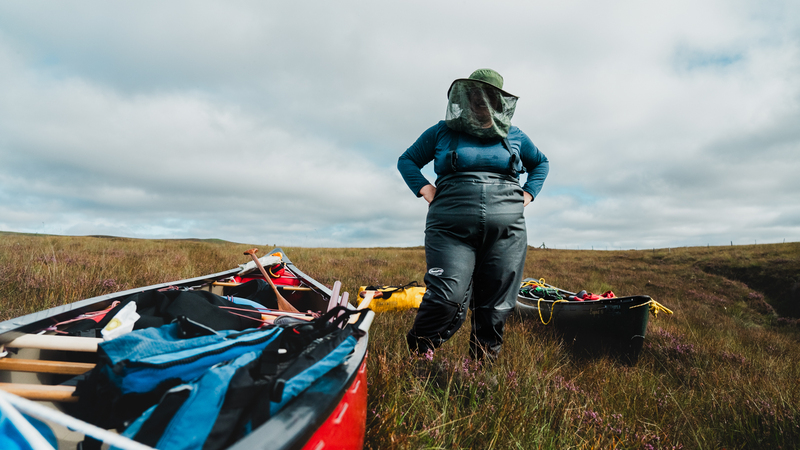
(475, 238)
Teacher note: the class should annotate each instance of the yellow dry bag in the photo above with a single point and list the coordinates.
(394, 298)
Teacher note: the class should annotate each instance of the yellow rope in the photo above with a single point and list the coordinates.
(655, 307)
(541, 283)
(552, 309)
(533, 283)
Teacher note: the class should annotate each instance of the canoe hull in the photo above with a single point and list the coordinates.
(618, 324)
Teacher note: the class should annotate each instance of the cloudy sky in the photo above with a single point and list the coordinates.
(665, 123)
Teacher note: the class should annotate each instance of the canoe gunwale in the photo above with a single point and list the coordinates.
(586, 304)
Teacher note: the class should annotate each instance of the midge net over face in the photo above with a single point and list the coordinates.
(479, 109)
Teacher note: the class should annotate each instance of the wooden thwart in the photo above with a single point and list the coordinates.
(41, 392)
(37, 366)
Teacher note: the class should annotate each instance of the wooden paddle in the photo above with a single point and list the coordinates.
(283, 304)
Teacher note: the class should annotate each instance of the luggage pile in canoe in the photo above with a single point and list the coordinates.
(594, 321)
(257, 357)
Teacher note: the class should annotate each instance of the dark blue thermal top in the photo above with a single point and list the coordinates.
(474, 155)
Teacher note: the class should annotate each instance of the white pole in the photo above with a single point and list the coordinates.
(48, 414)
(28, 432)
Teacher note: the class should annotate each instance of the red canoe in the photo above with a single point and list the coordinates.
(331, 413)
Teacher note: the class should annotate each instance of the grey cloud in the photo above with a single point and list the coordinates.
(283, 122)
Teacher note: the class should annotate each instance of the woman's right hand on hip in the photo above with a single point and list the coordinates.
(428, 192)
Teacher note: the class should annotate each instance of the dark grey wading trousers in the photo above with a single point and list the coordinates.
(475, 245)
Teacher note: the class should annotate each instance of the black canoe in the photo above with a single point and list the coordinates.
(618, 324)
(329, 414)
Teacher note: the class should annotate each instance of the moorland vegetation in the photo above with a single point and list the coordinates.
(722, 372)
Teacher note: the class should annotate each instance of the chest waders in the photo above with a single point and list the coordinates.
(475, 245)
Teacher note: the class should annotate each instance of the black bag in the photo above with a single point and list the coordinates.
(158, 308)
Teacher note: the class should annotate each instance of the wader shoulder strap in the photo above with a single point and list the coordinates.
(453, 153)
(515, 166)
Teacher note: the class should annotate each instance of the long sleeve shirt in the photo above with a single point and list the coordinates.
(434, 145)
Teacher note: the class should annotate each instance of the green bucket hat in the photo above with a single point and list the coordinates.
(485, 76)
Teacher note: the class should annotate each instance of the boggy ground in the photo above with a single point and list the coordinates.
(722, 372)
